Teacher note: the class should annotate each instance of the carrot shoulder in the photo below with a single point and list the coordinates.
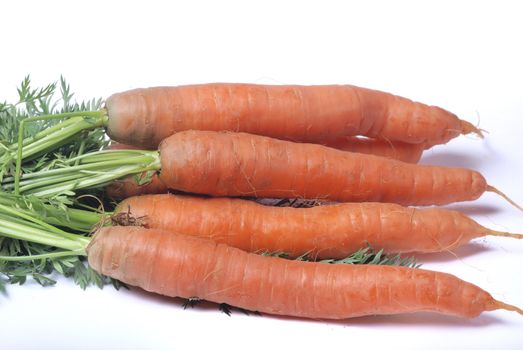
(144, 117)
(322, 232)
(239, 164)
(188, 267)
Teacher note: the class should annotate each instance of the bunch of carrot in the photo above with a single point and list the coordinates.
(234, 140)
(344, 144)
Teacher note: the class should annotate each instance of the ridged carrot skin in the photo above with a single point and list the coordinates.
(323, 232)
(128, 187)
(144, 117)
(226, 164)
(184, 266)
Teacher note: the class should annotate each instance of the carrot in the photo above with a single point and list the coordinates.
(190, 267)
(128, 186)
(225, 164)
(144, 117)
(323, 232)
(237, 164)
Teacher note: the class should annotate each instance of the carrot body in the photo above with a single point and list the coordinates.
(237, 164)
(183, 266)
(128, 187)
(144, 117)
(330, 231)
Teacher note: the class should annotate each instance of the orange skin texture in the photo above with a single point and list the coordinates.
(144, 117)
(184, 266)
(322, 232)
(406, 152)
(225, 164)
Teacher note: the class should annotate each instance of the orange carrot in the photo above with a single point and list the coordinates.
(323, 232)
(225, 164)
(237, 164)
(144, 117)
(128, 187)
(190, 267)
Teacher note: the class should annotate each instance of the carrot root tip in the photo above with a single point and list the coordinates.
(505, 234)
(499, 305)
(498, 192)
(468, 128)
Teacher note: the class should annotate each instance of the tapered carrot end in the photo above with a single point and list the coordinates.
(499, 305)
(504, 234)
(498, 192)
(467, 128)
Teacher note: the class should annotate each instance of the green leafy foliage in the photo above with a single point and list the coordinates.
(36, 102)
(43, 270)
(32, 101)
(371, 257)
(367, 256)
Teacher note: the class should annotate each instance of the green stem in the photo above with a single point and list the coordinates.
(48, 140)
(43, 256)
(19, 231)
(24, 186)
(94, 170)
(50, 228)
(92, 162)
(88, 217)
(77, 219)
(42, 134)
(93, 181)
(81, 150)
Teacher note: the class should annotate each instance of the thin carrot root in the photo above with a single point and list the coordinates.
(504, 306)
(498, 192)
(505, 234)
(467, 128)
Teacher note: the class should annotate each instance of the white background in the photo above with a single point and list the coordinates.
(464, 56)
